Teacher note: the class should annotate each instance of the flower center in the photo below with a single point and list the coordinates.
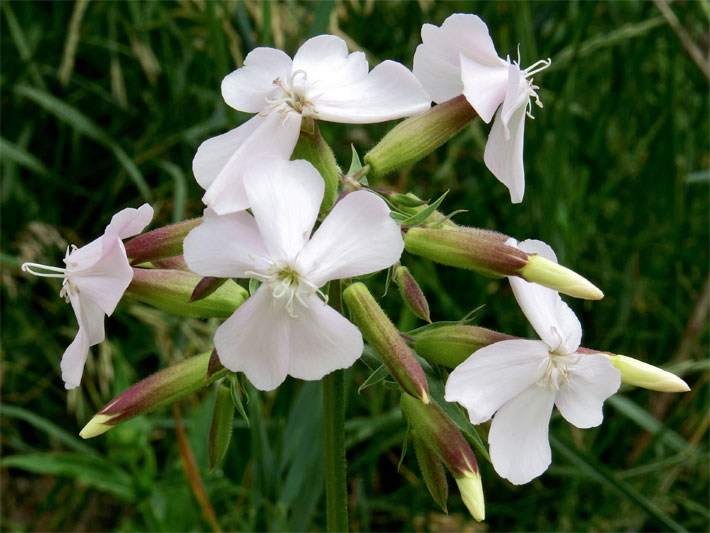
(557, 372)
(529, 72)
(46, 271)
(290, 96)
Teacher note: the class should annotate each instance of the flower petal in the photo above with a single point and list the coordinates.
(246, 88)
(221, 172)
(129, 222)
(518, 440)
(504, 153)
(285, 197)
(91, 332)
(389, 91)
(592, 379)
(494, 375)
(357, 237)
(327, 64)
(436, 60)
(225, 246)
(255, 340)
(104, 282)
(551, 318)
(484, 86)
(322, 340)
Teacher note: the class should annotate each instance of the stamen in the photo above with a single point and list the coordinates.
(27, 267)
(536, 67)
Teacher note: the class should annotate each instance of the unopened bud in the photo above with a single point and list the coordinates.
(452, 345)
(418, 136)
(562, 279)
(312, 147)
(640, 374)
(171, 290)
(159, 243)
(162, 388)
(381, 334)
(471, 490)
(412, 294)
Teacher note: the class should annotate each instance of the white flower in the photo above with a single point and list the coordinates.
(459, 58)
(95, 278)
(520, 381)
(323, 82)
(284, 328)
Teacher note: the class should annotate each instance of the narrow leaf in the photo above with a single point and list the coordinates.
(378, 375)
(420, 217)
(433, 473)
(221, 428)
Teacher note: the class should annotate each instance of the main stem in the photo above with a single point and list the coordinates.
(336, 493)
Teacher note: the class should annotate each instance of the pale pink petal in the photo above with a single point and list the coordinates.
(246, 88)
(592, 379)
(322, 340)
(517, 95)
(225, 246)
(551, 318)
(91, 332)
(285, 197)
(504, 153)
(494, 375)
(273, 136)
(327, 65)
(129, 222)
(518, 440)
(436, 60)
(484, 86)
(357, 237)
(105, 281)
(256, 340)
(389, 92)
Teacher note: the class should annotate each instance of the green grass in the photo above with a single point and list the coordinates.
(617, 182)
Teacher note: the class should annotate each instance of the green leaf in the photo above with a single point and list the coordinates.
(433, 473)
(355, 164)
(221, 428)
(378, 375)
(93, 471)
(20, 156)
(420, 217)
(236, 393)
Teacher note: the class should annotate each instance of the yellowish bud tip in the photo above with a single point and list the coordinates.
(640, 374)
(96, 426)
(471, 490)
(562, 279)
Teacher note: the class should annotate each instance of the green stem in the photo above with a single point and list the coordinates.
(336, 493)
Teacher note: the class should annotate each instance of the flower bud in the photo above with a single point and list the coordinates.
(640, 374)
(159, 243)
(312, 147)
(171, 290)
(160, 389)
(452, 345)
(418, 136)
(562, 279)
(430, 424)
(381, 334)
(412, 294)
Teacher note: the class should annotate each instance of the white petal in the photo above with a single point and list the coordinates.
(285, 197)
(105, 281)
(504, 153)
(255, 340)
(91, 332)
(389, 92)
(270, 137)
(322, 340)
(129, 222)
(436, 60)
(518, 440)
(484, 86)
(225, 246)
(517, 93)
(327, 64)
(356, 238)
(592, 379)
(551, 318)
(494, 374)
(246, 88)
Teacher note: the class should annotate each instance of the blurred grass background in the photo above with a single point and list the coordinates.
(103, 107)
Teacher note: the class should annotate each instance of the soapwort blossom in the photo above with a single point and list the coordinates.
(460, 58)
(94, 279)
(323, 82)
(284, 328)
(520, 380)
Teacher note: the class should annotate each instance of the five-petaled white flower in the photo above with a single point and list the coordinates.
(520, 381)
(459, 58)
(323, 82)
(284, 328)
(95, 278)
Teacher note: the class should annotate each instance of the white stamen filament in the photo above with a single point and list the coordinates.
(28, 267)
(292, 101)
(557, 372)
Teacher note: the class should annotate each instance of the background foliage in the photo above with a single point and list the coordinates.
(103, 107)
